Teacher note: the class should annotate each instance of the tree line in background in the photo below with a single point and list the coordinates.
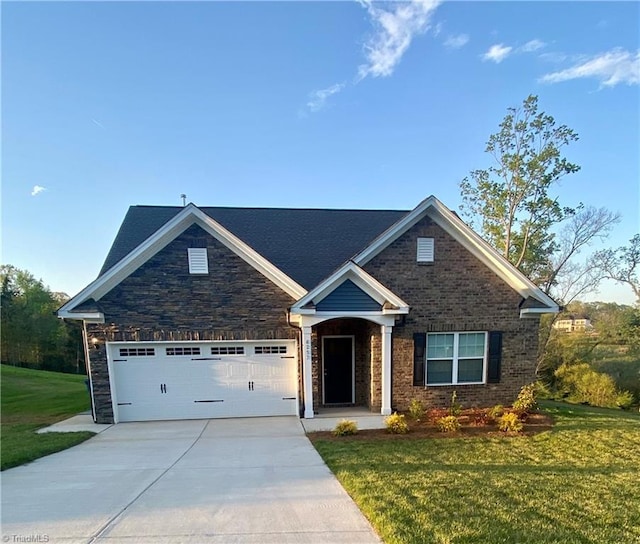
(31, 334)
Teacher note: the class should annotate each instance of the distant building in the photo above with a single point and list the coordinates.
(573, 324)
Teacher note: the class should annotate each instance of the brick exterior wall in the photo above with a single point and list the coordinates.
(455, 293)
(368, 357)
(162, 301)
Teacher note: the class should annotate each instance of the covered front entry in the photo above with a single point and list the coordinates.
(347, 362)
(350, 303)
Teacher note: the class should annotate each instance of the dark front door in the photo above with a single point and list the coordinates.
(337, 355)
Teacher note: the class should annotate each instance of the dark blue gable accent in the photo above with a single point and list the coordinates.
(348, 297)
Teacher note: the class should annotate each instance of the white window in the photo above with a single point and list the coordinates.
(198, 263)
(456, 358)
(425, 252)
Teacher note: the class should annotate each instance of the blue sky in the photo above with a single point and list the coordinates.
(294, 104)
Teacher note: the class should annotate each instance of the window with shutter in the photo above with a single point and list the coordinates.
(456, 358)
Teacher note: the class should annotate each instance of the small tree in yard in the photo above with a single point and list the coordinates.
(511, 198)
(512, 204)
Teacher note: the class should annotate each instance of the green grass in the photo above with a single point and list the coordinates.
(575, 484)
(32, 399)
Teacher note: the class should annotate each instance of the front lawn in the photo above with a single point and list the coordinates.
(577, 483)
(32, 399)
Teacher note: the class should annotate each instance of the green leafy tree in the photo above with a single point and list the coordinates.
(31, 333)
(511, 199)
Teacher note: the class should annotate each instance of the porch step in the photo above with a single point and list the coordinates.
(322, 423)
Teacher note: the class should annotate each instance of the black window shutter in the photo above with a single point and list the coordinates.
(495, 357)
(419, 345)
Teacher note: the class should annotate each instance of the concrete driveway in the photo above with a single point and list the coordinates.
(209, 481)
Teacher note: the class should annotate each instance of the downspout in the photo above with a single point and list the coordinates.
(300, 362)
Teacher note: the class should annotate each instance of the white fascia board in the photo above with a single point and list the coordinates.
(89, 317)
(454, 226)
(531, 312)
(366, 282)
(394, 232)
(166, 234)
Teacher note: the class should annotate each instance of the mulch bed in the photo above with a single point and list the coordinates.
(471, 426)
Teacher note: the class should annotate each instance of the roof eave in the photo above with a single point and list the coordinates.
(161, 238)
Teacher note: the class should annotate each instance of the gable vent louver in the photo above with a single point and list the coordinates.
(425, 250)
(198, 263)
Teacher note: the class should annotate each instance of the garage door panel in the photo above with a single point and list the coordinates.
(180, 382)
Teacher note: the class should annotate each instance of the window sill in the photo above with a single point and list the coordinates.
(461, 384)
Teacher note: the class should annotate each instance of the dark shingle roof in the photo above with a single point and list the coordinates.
(306, 244)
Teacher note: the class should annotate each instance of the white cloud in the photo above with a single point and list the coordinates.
(37, 189)
(497, 53)
(318, 99)
(456, 42)
(554, 56)
(394, 30)
(438, 28)
(531, 46)
(610, 68)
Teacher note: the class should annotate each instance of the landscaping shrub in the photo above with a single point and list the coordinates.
(345, 427)
(510, 423)
(396, 424)
(526, 400)
(581, 384)
(448, 424)
(416, 410)
(495, 412)
(542, 391)
(625, 400)
(455, 409)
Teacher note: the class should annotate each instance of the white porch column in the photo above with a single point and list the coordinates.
(386, 369)
(307, 374)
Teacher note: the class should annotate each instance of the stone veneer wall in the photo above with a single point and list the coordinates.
(455, 293)
(162, 301)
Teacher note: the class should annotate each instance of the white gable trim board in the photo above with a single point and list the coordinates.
(159, 240)
(455, 227)
(202, 380)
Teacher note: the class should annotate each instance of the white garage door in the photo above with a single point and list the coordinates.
(193, 380)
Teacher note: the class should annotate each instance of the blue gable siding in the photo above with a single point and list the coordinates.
(347, 297)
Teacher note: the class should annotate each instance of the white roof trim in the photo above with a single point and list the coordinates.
(531, 312)
(190, 215)
(454, 226)
(366, 282)
(89, 317)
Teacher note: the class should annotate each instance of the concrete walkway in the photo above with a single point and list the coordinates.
(225, 481)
